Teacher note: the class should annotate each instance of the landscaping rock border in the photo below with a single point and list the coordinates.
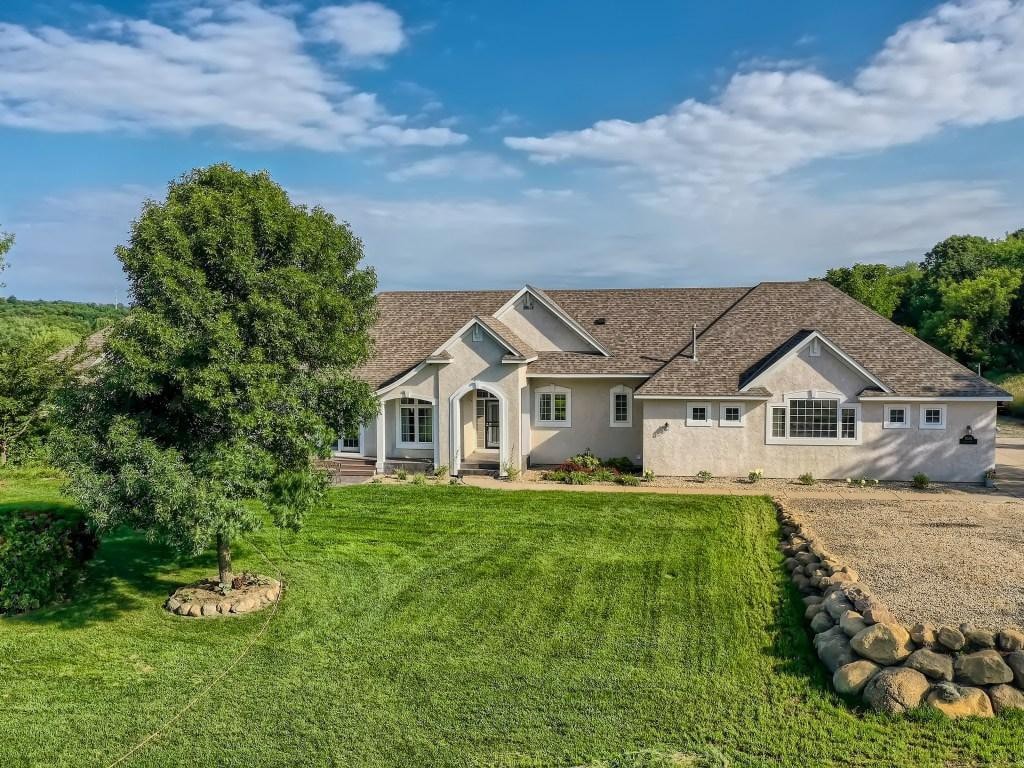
(962, 671)
(204, 599)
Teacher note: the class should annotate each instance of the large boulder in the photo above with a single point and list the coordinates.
(924, 635)
(883, 643)
(896, 690)
(1015, 661)
(833, 648)
(960, 701)
(1011, 639)
(836, 604)
(983, 668)
(850, 679)
(852, 623)
(937, 666)
(821, 622)
(952, 638)
(1005, 697)
(978, 637)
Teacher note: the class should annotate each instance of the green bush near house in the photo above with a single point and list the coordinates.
(43, 555)
(921, 480)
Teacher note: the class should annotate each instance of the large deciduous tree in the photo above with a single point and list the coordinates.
(232, 371)
(6, 241)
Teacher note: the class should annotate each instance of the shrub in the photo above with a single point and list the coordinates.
(511, 471)
(620, 463)
(419, 479)
(401, 474)
(440, 472)
(755, 475)
(577, 478)
(648, 475)
(43, 554)
(807, 479)
(584, 461)
(630, 480)
(703, 476)
(604, 475)
(920, 480)
(555, 475)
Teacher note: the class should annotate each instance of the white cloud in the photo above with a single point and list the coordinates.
(539, 193)
(961, 65)
(471, 166)
(361, 29)
(237, 67)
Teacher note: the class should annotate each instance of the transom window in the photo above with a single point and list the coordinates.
(554, 406)
(620, 406)
(415, 422)
(813, 421)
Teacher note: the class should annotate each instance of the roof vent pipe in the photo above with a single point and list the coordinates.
(695, 341)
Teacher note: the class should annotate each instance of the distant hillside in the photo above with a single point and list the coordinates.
(68, 321)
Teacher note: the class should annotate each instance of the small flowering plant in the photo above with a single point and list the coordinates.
(755, 475)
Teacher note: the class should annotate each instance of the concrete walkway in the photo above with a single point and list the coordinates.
(1010, 466)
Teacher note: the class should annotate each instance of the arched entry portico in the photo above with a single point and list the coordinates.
(456, 448)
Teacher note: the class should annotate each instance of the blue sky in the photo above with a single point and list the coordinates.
(487, 144)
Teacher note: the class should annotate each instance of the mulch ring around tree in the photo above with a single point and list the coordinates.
(249, 592)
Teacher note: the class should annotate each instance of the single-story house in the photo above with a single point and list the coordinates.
(786, 377)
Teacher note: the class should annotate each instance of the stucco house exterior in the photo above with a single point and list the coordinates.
(786, 377)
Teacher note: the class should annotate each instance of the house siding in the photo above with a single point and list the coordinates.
(590, 428)
(673, 448)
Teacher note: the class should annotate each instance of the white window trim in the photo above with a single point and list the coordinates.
(887, 423)
(721, 415)
(814, 395)
(692, 422)
(552, 389)
(398, 423)
(942, 413)
(621, 389)
(339, 451)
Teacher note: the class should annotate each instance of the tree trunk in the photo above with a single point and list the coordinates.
(224, 558)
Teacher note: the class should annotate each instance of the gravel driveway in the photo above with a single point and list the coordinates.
(944, 561)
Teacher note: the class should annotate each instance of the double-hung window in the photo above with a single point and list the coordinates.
(415, 423)
(553, 407)
(620, 406)
(813, 420)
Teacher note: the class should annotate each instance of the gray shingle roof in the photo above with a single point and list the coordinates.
(773, 315)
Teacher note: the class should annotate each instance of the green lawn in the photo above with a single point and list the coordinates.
(437, 626)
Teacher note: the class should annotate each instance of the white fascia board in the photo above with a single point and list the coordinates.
(519, 361)
(842, 355)
(588, 375)
(945, 399)
(702, 398)
(557, 311)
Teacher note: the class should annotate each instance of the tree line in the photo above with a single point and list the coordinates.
(964, 297)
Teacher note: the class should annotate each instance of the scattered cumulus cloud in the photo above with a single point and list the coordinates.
(361, 29)
(241, 67)
(961, 65)
(470, 166)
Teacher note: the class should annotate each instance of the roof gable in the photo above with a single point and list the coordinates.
(562, 328)
(792, 347)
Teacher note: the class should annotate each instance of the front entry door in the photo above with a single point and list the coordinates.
(491, 423)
